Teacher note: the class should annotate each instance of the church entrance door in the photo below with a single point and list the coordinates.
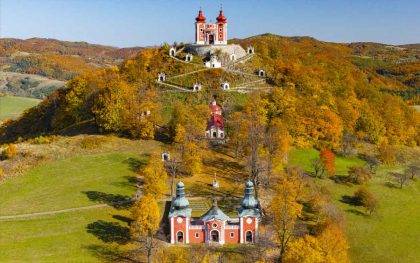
(214, 234)
(211, 39)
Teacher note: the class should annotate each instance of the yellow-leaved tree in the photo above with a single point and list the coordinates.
(146, 218)
(285, 208)
(154, 178)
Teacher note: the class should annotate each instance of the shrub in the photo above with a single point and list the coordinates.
(359, 174)
(10, 151)
(319, 168)
(387, 153)
(92, 142)
(43, 139)
(366, 199)
(1, 173)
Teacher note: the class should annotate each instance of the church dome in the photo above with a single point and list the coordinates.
(200, 17)
(180, 201)
(249, 201)
(221, 18)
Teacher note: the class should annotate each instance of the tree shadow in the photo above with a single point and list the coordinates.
(356, 212)
(110, 254)
(231, 170)
(350, 200)
(341, 179)
(136, 164)
(391, 185)
(115, 200)
(131, 181)
(109, 231)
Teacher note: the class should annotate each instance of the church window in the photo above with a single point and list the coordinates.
(220, 29)
(214, 236)
(196, 235)
(214, 225)
(232, 234)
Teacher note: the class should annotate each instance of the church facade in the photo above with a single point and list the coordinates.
(210, 33)
(214, 227)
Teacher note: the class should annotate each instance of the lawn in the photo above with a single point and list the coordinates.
(11, 107)
(90, 235)
(390, 235)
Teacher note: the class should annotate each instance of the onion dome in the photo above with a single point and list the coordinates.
(249, 201)
(180, 201)
(221, 18)
(200, 17)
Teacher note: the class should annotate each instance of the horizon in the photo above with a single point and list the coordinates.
(130, 23)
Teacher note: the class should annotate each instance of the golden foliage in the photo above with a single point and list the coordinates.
(146, 217)
(154, 178)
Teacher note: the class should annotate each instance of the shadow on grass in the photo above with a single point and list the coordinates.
(115, 200)
(136, 164)
(391, 185)
(228, 170)
(110, 254)
(356, 212)
(350, 200)
(109, 231)
(341, 179)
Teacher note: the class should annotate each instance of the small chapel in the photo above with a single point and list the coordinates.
(215, 127)
(214, 227)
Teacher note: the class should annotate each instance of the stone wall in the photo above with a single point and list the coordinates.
(206, 50)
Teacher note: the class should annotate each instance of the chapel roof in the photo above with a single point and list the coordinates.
(215, 213)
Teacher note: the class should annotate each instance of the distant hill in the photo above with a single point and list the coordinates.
(28, 85)
(58, 59)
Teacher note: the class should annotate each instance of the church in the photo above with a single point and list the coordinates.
(214, 227)
(210, 33)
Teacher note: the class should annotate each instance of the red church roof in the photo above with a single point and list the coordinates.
(216, 121)
(200, 17)
(221, 18)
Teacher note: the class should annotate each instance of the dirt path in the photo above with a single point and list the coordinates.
(24, 216)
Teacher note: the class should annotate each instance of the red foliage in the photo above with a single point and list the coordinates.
(328, 159)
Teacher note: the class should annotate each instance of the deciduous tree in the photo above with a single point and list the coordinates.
(154, 177)
(146, 218)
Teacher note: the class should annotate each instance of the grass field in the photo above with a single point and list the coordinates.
(90, 235)
(390, 235)
(11, 107)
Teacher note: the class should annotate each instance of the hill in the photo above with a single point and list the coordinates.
(28, 85)
(316, 80)
(58, 59)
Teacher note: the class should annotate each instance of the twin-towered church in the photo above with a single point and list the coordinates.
(214, 227)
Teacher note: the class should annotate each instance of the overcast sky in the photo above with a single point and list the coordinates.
(125, 23)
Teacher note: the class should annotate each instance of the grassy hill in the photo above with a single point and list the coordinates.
(12, 107)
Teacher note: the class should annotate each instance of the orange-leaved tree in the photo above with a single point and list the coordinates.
(328, 159)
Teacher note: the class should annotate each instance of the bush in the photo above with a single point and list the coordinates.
(366, 199)
(92, 142)
(1, 173)
(10, 151)
(387, 154)
(359, 175)
(43, 139)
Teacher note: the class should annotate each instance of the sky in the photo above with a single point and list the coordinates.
(126, 23)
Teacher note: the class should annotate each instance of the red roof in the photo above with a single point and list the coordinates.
(221, 18)
(216, 121)
(200, 17)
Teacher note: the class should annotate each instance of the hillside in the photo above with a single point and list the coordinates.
(28, 85)
(317, 81)
(58, 59)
